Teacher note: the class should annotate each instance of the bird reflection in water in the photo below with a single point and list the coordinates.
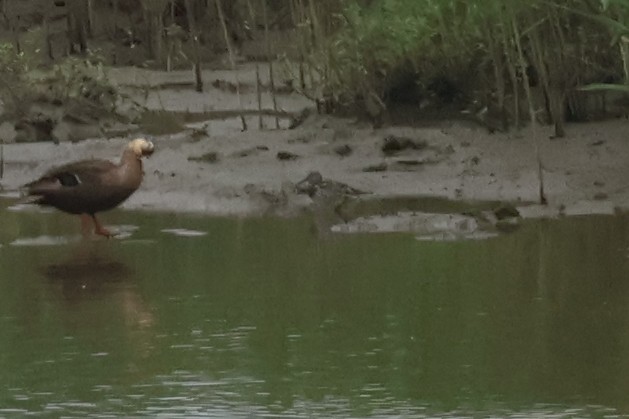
(88, 275)
(89, 271)
(92, 274)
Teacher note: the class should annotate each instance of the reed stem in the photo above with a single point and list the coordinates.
(267, 44)
(232, 62)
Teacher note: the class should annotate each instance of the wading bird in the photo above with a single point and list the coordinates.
(89, 186)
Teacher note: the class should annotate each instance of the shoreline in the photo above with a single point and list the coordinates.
(584, 173)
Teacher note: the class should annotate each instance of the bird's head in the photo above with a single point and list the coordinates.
(141, 147)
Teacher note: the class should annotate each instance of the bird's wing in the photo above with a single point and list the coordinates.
(85, 172)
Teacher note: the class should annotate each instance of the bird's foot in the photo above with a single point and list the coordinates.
(102, 231)
(86, 224)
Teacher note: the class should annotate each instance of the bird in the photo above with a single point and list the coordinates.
(87, 187)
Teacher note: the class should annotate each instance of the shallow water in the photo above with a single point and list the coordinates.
(194, 316)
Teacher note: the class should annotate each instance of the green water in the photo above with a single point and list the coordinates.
(264, 318)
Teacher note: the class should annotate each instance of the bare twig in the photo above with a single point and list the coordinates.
(221, 16)
(194, 33)
(529, 97)
(258, 82)
(114, 5)
(270, 60)
(259, 96)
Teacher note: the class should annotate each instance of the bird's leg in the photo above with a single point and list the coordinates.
(99, 229)
(86, 226)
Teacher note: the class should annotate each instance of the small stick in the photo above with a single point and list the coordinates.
(259, 95)
(232, 62)
(529, 96)
(252, 17)
(195, 34)
(270, 59)
(1, 158)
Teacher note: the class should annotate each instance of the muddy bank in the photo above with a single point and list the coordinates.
(213, 167)
(255, 172)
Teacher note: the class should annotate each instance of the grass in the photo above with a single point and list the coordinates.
(473, 52)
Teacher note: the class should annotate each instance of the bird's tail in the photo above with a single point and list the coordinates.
(29, 199)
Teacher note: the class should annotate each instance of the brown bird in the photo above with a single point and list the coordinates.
(89, 186)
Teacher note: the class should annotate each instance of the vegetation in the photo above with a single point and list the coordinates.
(78, 83)
(510, 57)
(82, 81)
(508, 60)
(13, 87)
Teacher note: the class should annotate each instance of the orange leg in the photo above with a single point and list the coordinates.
(86, 226)
(99, 229)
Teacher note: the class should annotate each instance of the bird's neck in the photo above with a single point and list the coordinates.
(130, 158)
(130, 165)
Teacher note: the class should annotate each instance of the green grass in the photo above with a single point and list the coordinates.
(468, 51)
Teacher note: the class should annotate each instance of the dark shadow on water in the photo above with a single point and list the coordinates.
(91, 269)
(82, 275)
(95, 287)
(93, 274)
